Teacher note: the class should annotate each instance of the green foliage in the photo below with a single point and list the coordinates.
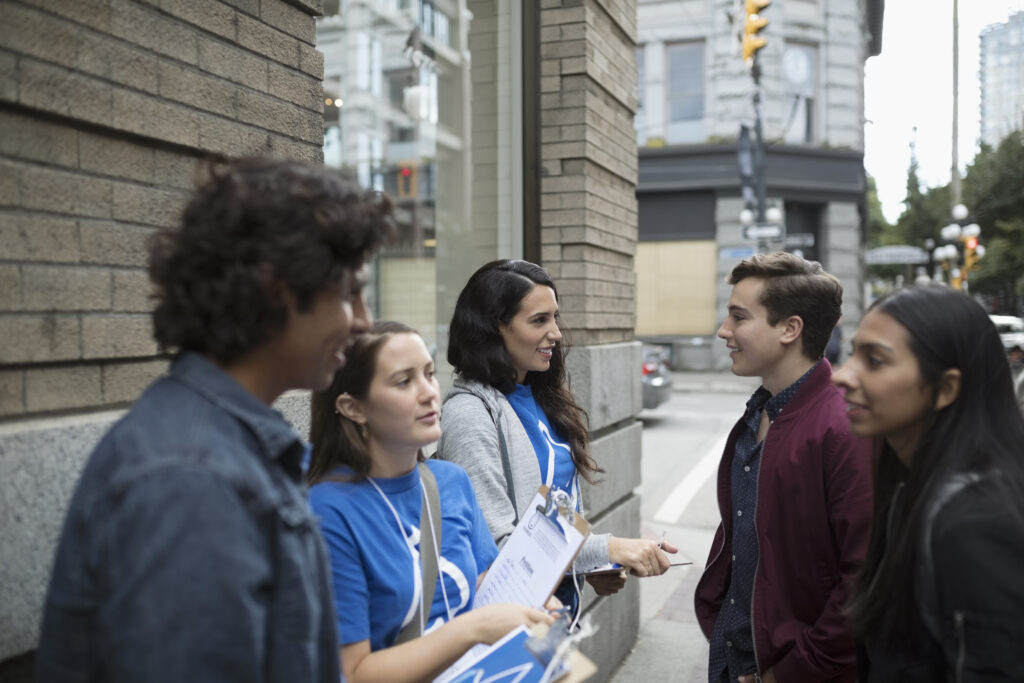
(993, 191)
(878, 228)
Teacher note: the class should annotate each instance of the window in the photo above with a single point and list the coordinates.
(685, 96)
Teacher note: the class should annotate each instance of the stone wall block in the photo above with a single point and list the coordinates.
(66, 288)
(39, 338)
(233, 63)
(39, 465)
(606, 382)
(265, 40)
(154, 31)
(51, 389)
(133, 292)
(40, 239)
(147, 205)
(34, 140)
(115, 244)
(125, 382)
(617, 453)
(10, 288)
(117, 336)
(294, 21)
(112, 156)
(214, 17)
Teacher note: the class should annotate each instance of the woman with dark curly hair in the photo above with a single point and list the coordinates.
(511, 421)
(939, 597)
(189, 551)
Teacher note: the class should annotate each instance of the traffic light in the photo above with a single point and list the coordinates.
(971, 254)
(406, 177)
(752, 26)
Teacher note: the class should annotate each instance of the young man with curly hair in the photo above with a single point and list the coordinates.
(794, 488)
(189, 552)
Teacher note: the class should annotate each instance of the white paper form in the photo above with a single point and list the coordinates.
(535, 557)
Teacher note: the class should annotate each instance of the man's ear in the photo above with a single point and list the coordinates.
(949, 388)
(350, 408)
(793, 327)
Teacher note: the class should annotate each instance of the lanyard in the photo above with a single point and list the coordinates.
(417, 577)
(550, 476)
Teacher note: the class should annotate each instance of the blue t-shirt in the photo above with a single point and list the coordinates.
(371, 566)
(552, 451)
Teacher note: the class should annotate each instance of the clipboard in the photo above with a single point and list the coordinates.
(537, 553)
(513, 658)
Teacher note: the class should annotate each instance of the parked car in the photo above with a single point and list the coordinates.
(656, 378)
(1019, 386)
(1011, 330)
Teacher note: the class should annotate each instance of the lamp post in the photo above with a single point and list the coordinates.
(962, 248)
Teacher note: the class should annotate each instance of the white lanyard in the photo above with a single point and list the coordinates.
(550, 478)
(417, 575)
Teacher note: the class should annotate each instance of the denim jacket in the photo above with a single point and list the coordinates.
(189, 552)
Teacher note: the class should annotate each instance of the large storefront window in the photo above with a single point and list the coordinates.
(398, 117)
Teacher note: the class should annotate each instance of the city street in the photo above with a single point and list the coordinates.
(682, 444)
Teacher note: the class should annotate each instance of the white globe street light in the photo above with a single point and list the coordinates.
(746, 217)
(959, 212)
(773, 214)
(950, 232)
(972, 230)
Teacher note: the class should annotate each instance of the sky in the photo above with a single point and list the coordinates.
(911, 84)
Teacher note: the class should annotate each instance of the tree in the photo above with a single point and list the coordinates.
(879, 230)
(992, 190)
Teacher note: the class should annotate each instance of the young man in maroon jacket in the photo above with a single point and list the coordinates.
(794, 488)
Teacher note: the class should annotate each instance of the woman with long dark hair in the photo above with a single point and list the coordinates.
(940, 596)
(511, 421)
(403, 600)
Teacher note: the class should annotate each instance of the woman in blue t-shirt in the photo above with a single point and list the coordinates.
(511, 421)
(368, 430)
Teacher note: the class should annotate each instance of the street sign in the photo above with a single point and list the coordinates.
(736, 253)
(896, 254)
(800, 239)
(763, 231)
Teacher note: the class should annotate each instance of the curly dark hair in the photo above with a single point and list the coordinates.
(336, 439)
(476, 349)
(795, 286)
(256, 229)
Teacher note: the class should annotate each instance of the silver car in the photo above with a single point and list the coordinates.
(656, 378)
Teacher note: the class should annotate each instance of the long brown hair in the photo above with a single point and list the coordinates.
(336, 439)
(492, 297)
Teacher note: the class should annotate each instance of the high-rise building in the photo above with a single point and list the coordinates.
(1001, 77)
(695, 92)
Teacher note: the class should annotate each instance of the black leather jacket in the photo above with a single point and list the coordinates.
(978, 560)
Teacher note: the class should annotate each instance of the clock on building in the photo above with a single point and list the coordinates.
(798, 69)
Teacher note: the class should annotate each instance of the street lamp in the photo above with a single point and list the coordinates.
(963, 240)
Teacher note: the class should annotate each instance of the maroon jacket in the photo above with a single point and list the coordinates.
(813, 522)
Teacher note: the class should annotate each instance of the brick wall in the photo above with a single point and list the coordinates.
(589, 163)
(107, 108)
(588, 235)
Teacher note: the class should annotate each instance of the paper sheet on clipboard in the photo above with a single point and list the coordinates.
(535, 557)
(528, 569)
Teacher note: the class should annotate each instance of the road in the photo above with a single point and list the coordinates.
(682, 444)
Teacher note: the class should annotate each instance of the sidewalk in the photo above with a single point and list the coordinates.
(670, 647)
(713, 381)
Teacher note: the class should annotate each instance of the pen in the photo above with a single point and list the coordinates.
(661, 541)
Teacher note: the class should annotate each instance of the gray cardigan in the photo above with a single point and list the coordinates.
(469, 437)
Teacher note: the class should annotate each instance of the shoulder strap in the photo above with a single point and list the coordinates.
(925, 591)
(430, 544)
(506, 464)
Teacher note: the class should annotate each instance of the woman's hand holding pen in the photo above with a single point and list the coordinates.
(643, 557)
